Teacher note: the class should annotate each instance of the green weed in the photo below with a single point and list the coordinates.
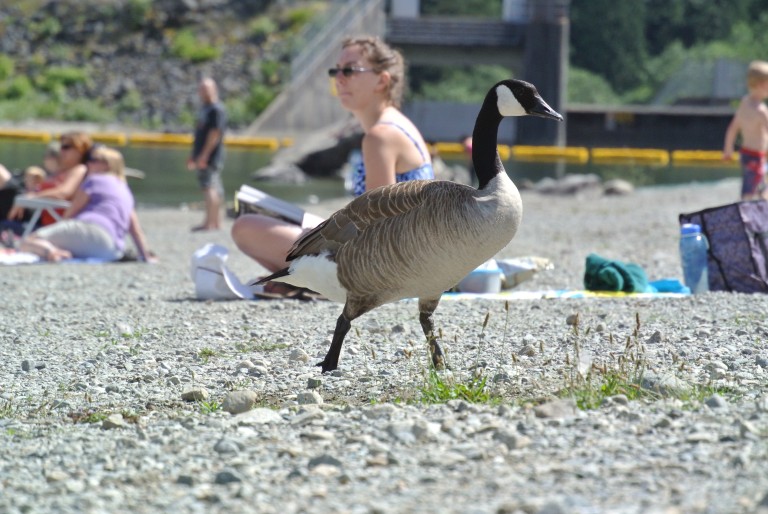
(591, 383)
(205, 354)
(440, 389)
(6, 409)
(88, 416)
(208, 407)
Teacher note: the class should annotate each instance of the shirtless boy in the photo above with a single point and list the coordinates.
(751, 121)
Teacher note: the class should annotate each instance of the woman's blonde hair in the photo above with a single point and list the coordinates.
(382, 58)
(113, 159)
(757, 73)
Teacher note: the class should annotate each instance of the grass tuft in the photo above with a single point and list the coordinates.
(438, 389)
(209, 407)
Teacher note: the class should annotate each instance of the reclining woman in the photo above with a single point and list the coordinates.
(369, 79)
(69, 174)
(98, 219)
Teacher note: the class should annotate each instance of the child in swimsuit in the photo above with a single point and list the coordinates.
(751, 121)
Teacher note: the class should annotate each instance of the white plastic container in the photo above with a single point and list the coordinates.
(482, 281)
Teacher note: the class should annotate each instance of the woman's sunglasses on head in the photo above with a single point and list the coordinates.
(347, 71)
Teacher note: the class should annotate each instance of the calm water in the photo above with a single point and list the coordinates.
(168, 182)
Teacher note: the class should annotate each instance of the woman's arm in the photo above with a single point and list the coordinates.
(78, 202)
(139, 240)
(67, 188)
(379, 157)
(5, 175)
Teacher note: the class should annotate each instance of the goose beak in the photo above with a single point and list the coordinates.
(543, 110)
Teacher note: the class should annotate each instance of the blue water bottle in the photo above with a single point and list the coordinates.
(693, 256)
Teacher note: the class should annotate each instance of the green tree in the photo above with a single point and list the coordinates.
(608, 39)
(480, 8)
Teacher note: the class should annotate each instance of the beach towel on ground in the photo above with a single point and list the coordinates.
(609, 275)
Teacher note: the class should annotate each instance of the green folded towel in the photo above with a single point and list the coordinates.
(606, 275)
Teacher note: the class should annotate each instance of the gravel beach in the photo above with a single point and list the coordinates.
(120, 392)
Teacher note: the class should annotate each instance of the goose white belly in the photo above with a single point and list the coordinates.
(318, 273)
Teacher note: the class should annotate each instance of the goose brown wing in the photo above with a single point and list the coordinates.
(368, 209)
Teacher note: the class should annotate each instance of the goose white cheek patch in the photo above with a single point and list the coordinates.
(507, 103)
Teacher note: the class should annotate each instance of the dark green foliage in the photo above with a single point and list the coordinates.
(186, 46)
(461, 8)
(458, 84)
(637, 44)
(613, 48)
(6, 67)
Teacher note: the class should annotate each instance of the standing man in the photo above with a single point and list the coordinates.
(208, 152)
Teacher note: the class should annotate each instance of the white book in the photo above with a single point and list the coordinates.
(251, 200)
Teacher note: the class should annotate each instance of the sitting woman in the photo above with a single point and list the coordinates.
(69, 173)
(369, 78)
(97, 221)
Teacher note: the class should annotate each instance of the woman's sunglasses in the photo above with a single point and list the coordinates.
(347, 71)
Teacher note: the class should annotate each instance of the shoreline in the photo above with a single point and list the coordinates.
(96, 362)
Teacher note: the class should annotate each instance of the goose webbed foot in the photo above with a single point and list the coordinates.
(438, 357)
(327, 366)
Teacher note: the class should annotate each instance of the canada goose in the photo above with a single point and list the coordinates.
(416, 239)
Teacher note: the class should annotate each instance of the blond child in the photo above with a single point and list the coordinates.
(751, 121)
(34, 176)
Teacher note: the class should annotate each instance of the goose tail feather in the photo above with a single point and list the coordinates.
(278, 274)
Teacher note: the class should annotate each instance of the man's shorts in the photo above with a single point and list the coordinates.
(210, 177)
(753, 165)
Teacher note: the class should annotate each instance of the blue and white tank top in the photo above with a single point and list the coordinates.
(424, 171)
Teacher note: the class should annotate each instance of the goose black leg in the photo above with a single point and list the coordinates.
(331, 360)
(426, 308)
(353, 309)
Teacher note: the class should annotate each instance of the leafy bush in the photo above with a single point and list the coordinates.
(45, 29)
(17, 87)
(270, 71)
(6, 66)
(297, 18)
(186, 46)
(259, 98)
(467, 84)
(589, 88)
(130, 102)
(137, 12)
(186, 118)
(261, 28)
(83, 109)
(56, 77)
(238, 113)
(14, 110)
(481, 8)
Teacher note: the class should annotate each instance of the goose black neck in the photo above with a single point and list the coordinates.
(485, 156)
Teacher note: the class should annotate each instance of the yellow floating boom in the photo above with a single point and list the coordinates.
(153, 138)
(630, 156)
(261, 143)
(575, 154)
(28, 135)
(701, 158)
